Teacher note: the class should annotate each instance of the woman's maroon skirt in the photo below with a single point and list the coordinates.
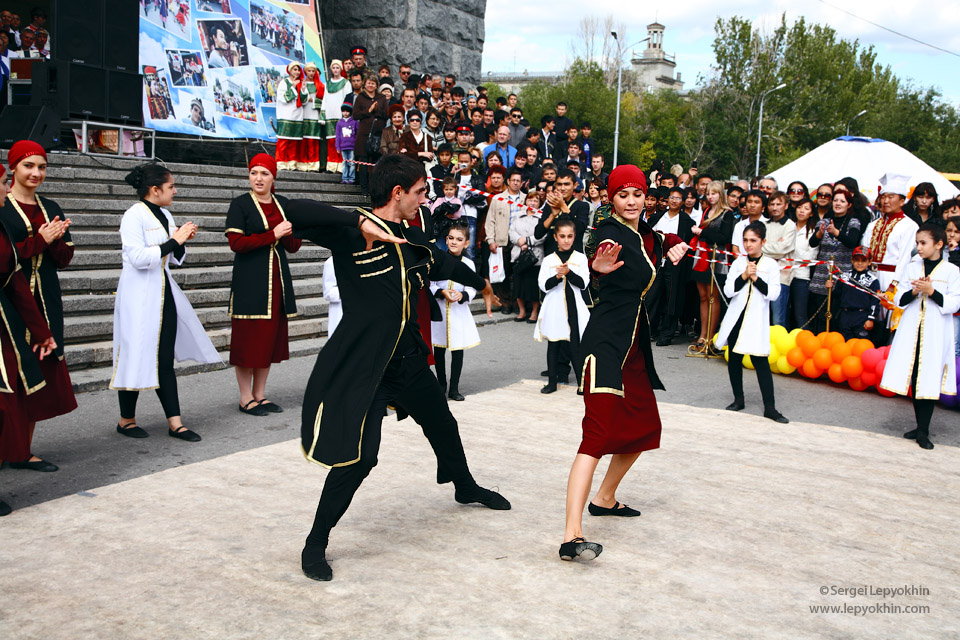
(630, 424)
(14, 410)
(256, 344)
(56, 398)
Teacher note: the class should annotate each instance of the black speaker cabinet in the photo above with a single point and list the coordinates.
(37, 123)
(78, 30)
(125, 97)
(121, 35)
(72, 90)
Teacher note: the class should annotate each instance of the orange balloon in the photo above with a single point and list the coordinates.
(832, 339)
(856, 384)
(804, 335)
(861, 346)
(822, 336)
(796, 358)
(852, 367)
(836, 373)
(822, 358)
(810, 346)
(810, 370)
(840, 351)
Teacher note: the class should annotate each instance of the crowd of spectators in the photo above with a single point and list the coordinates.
(512, 181)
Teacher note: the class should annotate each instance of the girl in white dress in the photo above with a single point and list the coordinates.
(153, 322)
(753, 282)
(921, 356)
(456, 329)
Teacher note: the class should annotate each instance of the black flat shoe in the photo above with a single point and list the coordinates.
(664, 342)
(486, 497)
(545, 373)
(736, 405)
(270, 407)
(255, 410)
(911, 435)
(925, 443)
(580, 548)
(132, 431)
(456, 395)
(776, 416)
(531, 321)
(184, 434)
(519, 319)
(313, 561)
(36, 465)
(5, 509)
(549, 388)
(615, 510)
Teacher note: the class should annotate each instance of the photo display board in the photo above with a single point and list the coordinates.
(211, 67)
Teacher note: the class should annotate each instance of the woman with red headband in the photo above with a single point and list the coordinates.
(153, 322)
(291, 95)
(261, 292)
(308, 158)
(621, 416)
(41, 233)
(23, 327)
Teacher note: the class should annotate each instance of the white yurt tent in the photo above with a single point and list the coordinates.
(866, 159)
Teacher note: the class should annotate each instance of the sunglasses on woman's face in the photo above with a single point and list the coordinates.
(824, 195)
(413, 119)
(796, 190)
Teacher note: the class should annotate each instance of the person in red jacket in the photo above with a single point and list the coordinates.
(41, 233)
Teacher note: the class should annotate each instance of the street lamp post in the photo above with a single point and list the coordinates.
(854, 118)
(616, 130)
(756, 170)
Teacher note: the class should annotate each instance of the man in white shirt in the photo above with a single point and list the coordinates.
(752, 210)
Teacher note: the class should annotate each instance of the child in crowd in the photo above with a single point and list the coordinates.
(953, 244)
(346, 141)
(564, 274)
(443, 168)
(922, 354)
(456, 329)
(331, 293)
(753, 209)
(858, 309)
(753, 282)
(446, 208)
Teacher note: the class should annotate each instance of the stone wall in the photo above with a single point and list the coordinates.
(436, 36)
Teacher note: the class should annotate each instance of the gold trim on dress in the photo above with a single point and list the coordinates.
(373, 259)
(376, 273)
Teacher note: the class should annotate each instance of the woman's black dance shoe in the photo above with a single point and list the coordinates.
(35, 465)
(132, 431)
(184, 434)
(626, 511)
(580, 548)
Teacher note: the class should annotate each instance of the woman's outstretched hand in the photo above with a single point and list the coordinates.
(605, 260)
(490, 300)
(677, 251)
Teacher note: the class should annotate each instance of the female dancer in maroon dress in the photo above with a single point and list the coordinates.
(261, 293)
(40, 231)
(20, 367)
(621, 416)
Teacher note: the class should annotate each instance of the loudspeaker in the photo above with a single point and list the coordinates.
(125, 97)
(39, 124)
(121, 35)
(72, 90)
(77, 33)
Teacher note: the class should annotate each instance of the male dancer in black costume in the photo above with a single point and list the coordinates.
(376, 356)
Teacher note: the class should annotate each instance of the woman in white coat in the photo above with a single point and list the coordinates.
(753, 282)
(456, 329)
(921, 355)
(152, 319)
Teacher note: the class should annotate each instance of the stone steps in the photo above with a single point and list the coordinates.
(197, 256)
(187, 277)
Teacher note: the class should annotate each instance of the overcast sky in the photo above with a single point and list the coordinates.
(535, 35)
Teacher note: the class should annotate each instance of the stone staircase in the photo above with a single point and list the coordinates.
(91, 191)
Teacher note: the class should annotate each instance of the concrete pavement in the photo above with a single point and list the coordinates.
(745, 522)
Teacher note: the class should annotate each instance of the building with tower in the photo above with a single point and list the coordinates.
(654, 68)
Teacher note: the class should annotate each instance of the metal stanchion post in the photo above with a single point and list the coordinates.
(829, 295)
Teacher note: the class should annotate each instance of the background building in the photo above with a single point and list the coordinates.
(655, 69)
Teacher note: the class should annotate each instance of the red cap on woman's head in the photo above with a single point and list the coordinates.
(626, 175)
(24, 149)
(266, 161)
